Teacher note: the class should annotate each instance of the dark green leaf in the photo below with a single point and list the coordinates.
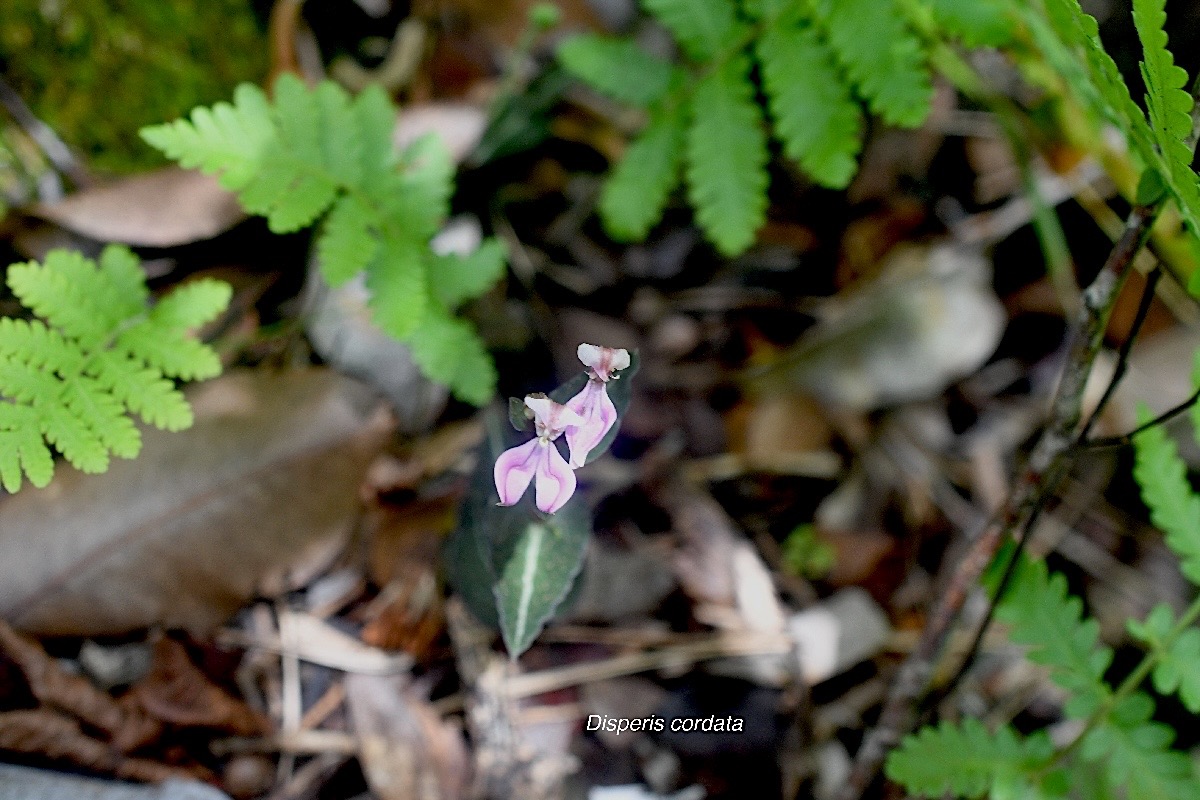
(537, 561)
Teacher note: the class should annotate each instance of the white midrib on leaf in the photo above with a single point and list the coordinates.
(528, 572)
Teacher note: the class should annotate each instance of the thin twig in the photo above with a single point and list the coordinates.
(1047, 464)
(1123, 354)
(722, 645)
(1127, 438)
(55, 149)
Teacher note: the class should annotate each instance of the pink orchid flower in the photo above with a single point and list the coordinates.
(538, 460)
(592, 404)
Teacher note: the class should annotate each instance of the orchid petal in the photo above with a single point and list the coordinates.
(514, 470)
(555, 482)
(603, 361)
(598, 414)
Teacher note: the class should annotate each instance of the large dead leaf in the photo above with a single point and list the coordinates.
(164, 208)
(185, 534)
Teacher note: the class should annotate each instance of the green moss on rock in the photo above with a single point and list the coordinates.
(98, 70)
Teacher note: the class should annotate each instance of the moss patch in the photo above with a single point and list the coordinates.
(97, 70)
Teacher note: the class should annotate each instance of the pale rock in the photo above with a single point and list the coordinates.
(838, 633)
(24, 783)
(636, 791)
(931, 318)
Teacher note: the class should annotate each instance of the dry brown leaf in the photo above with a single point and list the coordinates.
(183, 535)
(858, 553)
(734, 590)
(426, 458)
(406, 539)
(53, 736)
(61, 691)
(771, 429)
(164, 208)
(177, 692)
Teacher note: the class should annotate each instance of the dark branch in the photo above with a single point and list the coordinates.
(1123, 354)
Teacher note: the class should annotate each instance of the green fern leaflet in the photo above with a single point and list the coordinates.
(1174, 507)
(95, 355)
(815, 63)
(967, 760)
(314, 155)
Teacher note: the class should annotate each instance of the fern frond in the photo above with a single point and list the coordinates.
(1178, 671)
(397, 280)
(727, 158)
(1069, 39)
(1136, 754)
(22, 450)
(979, 23)
(39, 346)
(618, 68)
(1178, 666)
(1046, 616)
(86, 400)
(143, 390)
(966, 760)
(347, 245)
(375, 117)
(423, 189)
(170, 352)
(340, 137)
(816, 117)
(635, 193)
(288, 192)
(191, 305)
(70, 293)
(313, 153)
(703, 27)
(96, 355)
(885, 59)
(1169, 107)
(1174, 506)
(228, 140)
(449, 351)
(461, 278)
(124, 284)
(298, 115)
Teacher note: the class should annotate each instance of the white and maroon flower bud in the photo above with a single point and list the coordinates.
(603, 361)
